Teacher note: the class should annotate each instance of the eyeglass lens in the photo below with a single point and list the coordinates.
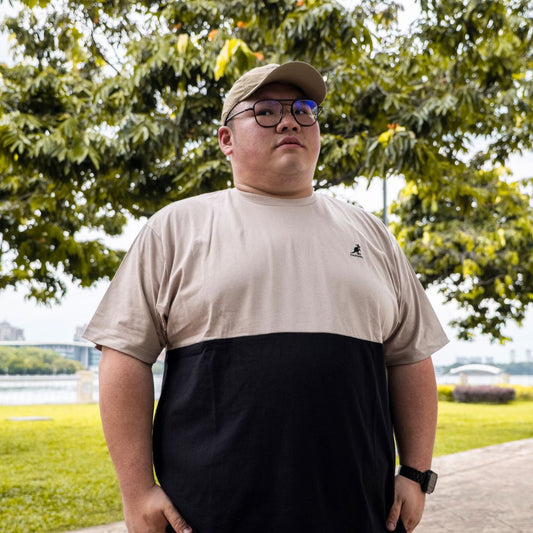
(269, 113)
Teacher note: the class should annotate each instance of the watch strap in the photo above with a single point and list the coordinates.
(412, 473)
(427, 480)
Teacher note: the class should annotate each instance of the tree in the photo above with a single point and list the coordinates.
(463, 221)
(34, 361)
(112, 110)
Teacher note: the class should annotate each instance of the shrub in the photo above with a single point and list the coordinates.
(483, 394)
(445, 393)
(523, 392)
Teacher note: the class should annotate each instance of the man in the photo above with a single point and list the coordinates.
(297, 337)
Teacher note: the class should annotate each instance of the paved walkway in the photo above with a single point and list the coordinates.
(486, 490)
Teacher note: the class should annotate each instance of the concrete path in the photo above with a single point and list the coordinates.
(486, 490)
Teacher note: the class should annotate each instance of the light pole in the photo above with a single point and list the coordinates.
(384, 213)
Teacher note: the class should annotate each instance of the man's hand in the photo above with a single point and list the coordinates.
(408, 504)
(152, 512)
(128, 431)
(413, 392)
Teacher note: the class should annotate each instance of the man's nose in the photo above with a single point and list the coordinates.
(287, 121)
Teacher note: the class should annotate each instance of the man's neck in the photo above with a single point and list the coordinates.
(289, 194)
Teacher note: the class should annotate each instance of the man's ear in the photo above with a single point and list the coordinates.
(225, 140)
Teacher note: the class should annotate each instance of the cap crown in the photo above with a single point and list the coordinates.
(297, 73)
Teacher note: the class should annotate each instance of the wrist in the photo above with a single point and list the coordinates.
(135, 490)
(426, 479)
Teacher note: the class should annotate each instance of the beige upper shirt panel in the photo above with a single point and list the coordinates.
(229, 264)
(273, 267)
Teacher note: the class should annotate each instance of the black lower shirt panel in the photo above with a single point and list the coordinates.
(285, 432)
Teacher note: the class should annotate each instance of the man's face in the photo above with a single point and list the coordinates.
(276, 161)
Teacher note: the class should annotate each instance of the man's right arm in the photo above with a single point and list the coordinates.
(126, 408)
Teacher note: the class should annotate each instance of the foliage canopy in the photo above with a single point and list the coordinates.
(111, 111)
(31, 360)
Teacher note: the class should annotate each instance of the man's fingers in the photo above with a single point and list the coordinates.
(176, 520)
(394, 516)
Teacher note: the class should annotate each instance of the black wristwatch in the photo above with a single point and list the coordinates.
(427, 479)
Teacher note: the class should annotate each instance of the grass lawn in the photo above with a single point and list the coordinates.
(56, 475)
(464, 426)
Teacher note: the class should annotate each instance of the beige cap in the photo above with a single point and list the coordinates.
(297, 73)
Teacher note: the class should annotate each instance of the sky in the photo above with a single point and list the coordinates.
(57, 323)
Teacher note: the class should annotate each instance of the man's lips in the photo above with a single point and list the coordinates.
(289, 141)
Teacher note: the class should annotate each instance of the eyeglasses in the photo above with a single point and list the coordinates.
(269, 113)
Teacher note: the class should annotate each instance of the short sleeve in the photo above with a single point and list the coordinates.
(131, 317)
(418, 332)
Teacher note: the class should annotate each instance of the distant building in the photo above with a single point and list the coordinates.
(78, 333)
(10, 333)
(462, 360)
(84, 352)
(78, 350)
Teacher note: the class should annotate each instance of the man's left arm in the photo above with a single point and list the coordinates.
(413, 394)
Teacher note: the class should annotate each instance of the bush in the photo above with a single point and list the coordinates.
(523, 392)
(445, 393)
(483, 394)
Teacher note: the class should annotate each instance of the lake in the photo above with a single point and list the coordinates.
(447, 379)
(37, 390)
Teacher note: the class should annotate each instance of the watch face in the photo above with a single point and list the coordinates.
(430, 482)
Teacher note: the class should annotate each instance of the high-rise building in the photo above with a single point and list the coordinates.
(78, 333)
(10, 333)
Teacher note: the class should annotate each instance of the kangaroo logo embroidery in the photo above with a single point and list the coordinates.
(356, 251)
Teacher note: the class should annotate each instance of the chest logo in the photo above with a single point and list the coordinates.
(356, 251)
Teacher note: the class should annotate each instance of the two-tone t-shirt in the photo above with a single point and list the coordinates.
(279, 318)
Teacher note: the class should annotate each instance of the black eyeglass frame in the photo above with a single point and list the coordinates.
(317, 111)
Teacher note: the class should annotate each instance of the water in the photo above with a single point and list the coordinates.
(505, 379)
(38, 390)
